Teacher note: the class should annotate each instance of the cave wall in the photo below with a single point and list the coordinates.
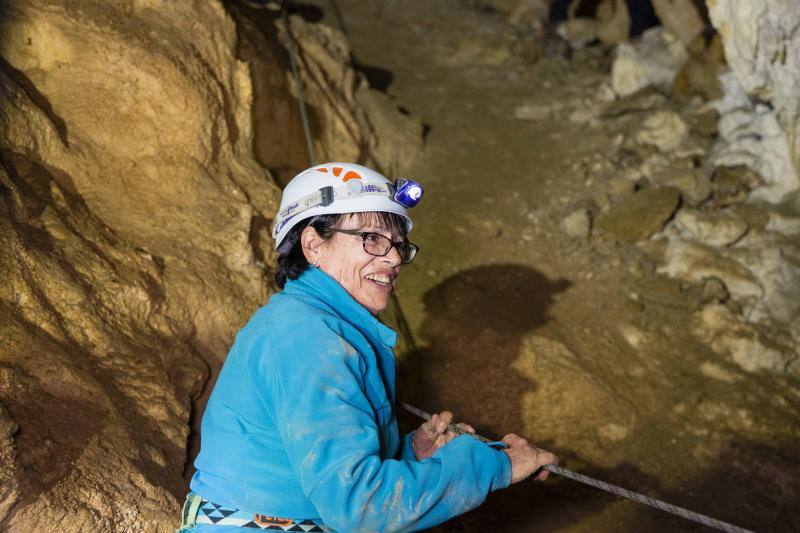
(760, 122)
(129, 189)
(136, 203)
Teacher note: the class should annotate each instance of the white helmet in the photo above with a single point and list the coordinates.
(333, 188)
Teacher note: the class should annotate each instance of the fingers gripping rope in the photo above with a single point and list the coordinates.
(608, 487)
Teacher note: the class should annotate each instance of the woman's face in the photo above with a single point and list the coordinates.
(369, 279)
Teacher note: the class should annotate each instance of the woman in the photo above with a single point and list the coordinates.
(300, 432)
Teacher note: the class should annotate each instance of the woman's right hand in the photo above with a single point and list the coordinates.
(526, 458)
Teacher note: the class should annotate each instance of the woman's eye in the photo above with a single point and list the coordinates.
(372, 238)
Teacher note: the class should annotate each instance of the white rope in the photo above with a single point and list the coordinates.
(608, 487)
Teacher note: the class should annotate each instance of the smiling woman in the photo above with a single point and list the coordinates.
(338, 242)
(300, 432)
(368, 277)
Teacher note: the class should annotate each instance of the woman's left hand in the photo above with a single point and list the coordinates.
(434, 434)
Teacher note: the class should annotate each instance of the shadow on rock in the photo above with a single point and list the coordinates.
(555, 504)
(750, 485)
(473, 331)
(474, 325)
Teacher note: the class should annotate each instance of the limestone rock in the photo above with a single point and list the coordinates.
(9, 475)
(775, 261)
(715, 371)
(643, 100)
(760, 124)
(133, 241)
(712, 228)
(681, 17)
(652, 61)
(732, 185)
(579, 32)
(695, 262)
(639, 215)
(354, 118)
(614, 21)
(610, 25)
(786, 225)
(699, 75)
(529, 13)
(633, 335)
(620, 185)
(729, 335)
(761, 46)
(565, 392)
(324, 55)
(665, 130)
(577, 224)
(397, 137)
(751, 135)
(714, 291)
(694, 185)
(131, 191)
(761, 270)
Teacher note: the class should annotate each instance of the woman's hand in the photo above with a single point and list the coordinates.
(434, 434)
(526, 458)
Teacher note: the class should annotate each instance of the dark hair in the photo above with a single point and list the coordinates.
(291, 259)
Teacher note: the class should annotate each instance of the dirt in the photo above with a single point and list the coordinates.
(516, 327)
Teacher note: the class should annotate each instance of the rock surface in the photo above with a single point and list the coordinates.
(542, 359)
(610, 23)
(577, 224)
(134, 230)
(729, 335)
(665, 130)
(653, 60)
(639, 215)
(694, 185)
(681, 17)
(356, 122)
(715, 229)
(762, 47)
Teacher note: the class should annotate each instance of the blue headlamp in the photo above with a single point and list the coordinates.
(407, 193)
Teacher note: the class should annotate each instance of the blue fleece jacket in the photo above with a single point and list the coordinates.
(301, 424)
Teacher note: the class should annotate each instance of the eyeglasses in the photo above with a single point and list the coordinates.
(379, 245)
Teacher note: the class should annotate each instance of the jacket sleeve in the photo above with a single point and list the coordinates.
(316, 387)
(406, 451)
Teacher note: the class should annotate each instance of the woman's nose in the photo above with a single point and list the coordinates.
(393, 256)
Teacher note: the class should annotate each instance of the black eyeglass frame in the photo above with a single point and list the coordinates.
(398, 244)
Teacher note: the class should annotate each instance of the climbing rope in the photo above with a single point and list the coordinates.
(608, 487)
(292, 49)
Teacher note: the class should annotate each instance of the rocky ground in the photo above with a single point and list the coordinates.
(578, 280)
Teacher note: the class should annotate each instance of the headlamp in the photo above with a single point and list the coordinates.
(407, 193)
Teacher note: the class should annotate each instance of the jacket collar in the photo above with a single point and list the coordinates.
(316, 283)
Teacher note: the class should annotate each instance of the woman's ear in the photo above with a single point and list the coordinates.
(311, 243)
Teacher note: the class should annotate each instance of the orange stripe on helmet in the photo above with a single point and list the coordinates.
(351, 175)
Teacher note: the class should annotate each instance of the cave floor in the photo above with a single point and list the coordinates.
(574, 343)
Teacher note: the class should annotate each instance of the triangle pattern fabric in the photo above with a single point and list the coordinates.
(212, 513)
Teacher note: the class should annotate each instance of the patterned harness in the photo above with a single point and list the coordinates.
(199, 511)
